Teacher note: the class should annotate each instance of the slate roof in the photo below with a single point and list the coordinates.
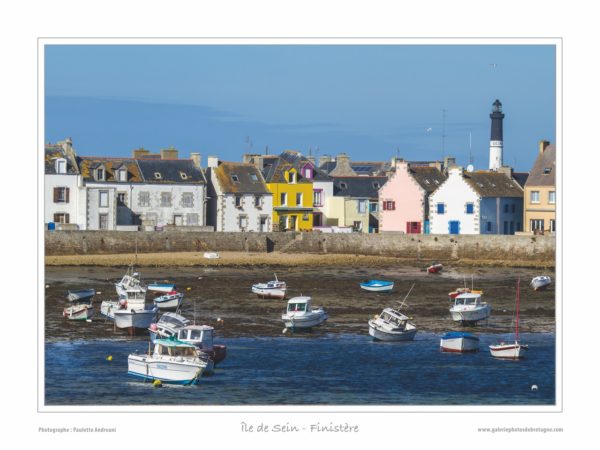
(275, 172)
(543, 172)
(52, 152)
(243, 172)
(364, 168)
(171, 171)
(521, 178)
(299, 161)
(87, 164)
(429, 178)
(493, 184)
(358, 187)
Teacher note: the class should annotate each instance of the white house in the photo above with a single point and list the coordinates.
(146, 191)
(64, 193)
(239, 199)
(476, 203)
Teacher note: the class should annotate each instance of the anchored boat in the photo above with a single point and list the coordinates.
(511, 350)
(468, 309)
(271, 289)
(458, 342)
(392, 325)
(171, 361)
(82, 311)
(300, 314)
(540, 282)
(377, 285)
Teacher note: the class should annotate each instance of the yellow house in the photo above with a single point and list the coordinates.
(292, 197)
(540, 192)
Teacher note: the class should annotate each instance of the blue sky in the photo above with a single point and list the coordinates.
(370, 101)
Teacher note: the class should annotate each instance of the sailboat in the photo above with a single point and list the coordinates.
(511, 350)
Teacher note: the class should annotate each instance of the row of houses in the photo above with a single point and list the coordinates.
(289, 191)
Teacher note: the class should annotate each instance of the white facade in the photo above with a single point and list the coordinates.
(455, 195)
(68, 204)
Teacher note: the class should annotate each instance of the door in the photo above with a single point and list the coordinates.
(178, 220)
(292, 223)
(263, 224)
(454, 227)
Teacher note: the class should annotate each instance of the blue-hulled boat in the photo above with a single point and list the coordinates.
(377, 285)
(459, 342)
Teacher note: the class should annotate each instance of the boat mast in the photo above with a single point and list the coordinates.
(411, 288)
(517, 327)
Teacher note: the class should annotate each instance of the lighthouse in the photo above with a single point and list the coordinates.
(496, 137)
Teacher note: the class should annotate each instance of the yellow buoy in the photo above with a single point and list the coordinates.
(157, 383)
(189, 288)
(109, 358)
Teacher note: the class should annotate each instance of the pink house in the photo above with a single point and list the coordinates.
(404, 199)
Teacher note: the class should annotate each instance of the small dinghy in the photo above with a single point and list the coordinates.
(271, 289)
(377, 285)
(435, 268)
(458, 342)
(80, 311)
(211, 255)
(169, 301)
(161, 288)
(541, 282)
(81, 296)
(301, 315)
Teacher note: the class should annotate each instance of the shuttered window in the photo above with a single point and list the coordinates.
(61, 195)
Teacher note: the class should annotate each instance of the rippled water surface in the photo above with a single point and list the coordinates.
(319, 368)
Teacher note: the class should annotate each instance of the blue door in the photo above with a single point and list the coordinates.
(454, 227)
(426, 231)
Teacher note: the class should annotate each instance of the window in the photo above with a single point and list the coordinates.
(362, 206)
(61, 165)
(165, 199)
(122, 174)
(513, 208)
(103, 221)
(308, 173)
(552, 224)
(61, 218)
(470, 208)
(283, 198)
(547, 170)
(506, 208)
(376, 185)
(317, 197)
(235, 178)
(192, 219)
(254, 178)
(258, 201)
(292, 177)
(357, 225)
(534, 196)
(238, 201)
(242, 222)
(343, 185)
(183, 175)
(552, 197)
(373, 206)
(489, 226)
(157, 176)
(536, 224)
(100, 174)
(389, 205)
(187, 200)
(121, 199)
(299, 199)
(61, 195)
(144, 199)
(441, 208)
(103, 199)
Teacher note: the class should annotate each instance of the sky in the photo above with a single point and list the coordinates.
(371, 101)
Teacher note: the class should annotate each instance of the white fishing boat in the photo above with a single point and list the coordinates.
(81, 296)
(130, 287)
(211, 255)
(392, 325)
(511, 350)
(81, 311)
(167, 326)
(468, 308)
(300, 314)
(134, 318)
(458, 342)
(171, 361)
(201, 336)
(169, 301)
(377, 285)
(540, 282)
(271, 289)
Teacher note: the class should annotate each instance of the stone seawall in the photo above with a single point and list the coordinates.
(532, 249)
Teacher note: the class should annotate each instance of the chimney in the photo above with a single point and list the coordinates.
(543, 145)
(449, 161)
(140, 153)
(506, 170)
(342, 167)
(195, 157)
(213, 162)
(67, 146)
(169, 153)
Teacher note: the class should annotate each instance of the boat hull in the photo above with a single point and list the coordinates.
(459, 344)
(304, 321)
(540, 283)
(81, 296)
(470, 316)
(168, 302)
(381, 334)
(508, 351)
(134, 318)
(269, 293)
(78, 312)
(377, 288)
(167, 371)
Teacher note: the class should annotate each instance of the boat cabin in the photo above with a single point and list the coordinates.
(198, 335)
(299, 304)
(394, 318)
(467, 299)
(165, 347)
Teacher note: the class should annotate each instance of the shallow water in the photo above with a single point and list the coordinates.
(319, 368)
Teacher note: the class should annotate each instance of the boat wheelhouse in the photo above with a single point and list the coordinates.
(468, 309)
(392, 325)
(300, 314)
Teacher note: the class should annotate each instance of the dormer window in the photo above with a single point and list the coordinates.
(254, 178)
(235, 178)
(343, 185)
(292, 177)
(61, 165)
(100, 174)
(157, 176)
(122, 174)
(376, 185)
(308, 173)
(547, 170)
